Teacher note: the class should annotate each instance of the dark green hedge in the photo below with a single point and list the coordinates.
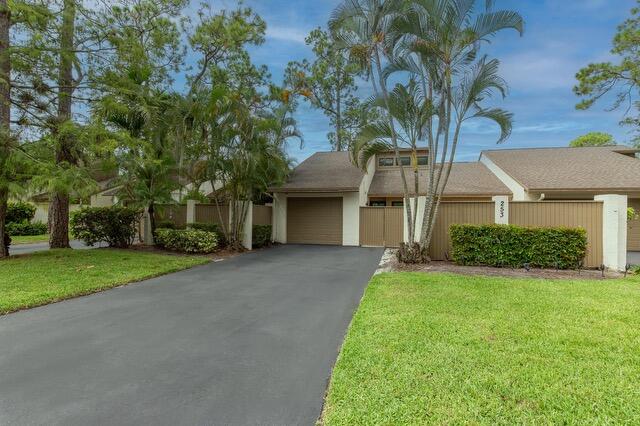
(117, 226)
(261, 235)
(20, 211)
(514, 246)
(16, 229)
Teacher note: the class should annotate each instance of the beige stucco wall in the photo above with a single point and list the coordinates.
(614, 231)
(351, 219)
(279, 218)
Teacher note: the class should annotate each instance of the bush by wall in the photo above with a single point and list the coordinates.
(186, 240)
(261, 235)
(25, 227)
(514, 246)
(20, 211)
(117, 226)
(211, 227)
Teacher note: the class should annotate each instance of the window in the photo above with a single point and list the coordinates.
(405, 161)
(378, 203)
(385, 162)
(422, 160)
(397, 203)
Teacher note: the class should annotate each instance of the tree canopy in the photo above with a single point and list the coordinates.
(620, 79)
(593, 139)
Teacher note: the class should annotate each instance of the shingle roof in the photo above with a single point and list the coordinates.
(466, 179)
(324, 172)
(570, 169)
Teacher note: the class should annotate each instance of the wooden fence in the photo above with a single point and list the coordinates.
(633, 228)
(572, 214)
(209, 213)
(381, 226)
(176, 213)
(450, 213)
(262, 215)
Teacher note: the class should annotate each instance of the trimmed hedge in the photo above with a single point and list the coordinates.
(24, 228)
(211, 227)
(186, 240)
(117, 226)
(261, 235)
(20, 211)
(515, 246)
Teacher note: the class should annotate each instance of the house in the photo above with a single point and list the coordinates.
(326, 196)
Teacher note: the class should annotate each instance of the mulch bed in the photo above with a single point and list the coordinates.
(390, 264)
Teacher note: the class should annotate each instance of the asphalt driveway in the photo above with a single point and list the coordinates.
(250, 340)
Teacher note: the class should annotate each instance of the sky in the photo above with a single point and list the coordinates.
(561, 36)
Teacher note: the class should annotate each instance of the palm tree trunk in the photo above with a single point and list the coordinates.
(394, 140)
(152, 217)
(5, 120)
(339, 146)
(59, 205)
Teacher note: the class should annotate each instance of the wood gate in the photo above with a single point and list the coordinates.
(381, 226)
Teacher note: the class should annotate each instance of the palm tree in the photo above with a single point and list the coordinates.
(443, 39)
(141, 117)
(411, 112)
(437, 42)
(362, 27)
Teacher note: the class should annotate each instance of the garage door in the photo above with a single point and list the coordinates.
(314, 221)
(633, 228)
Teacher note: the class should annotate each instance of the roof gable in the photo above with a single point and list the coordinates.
(324, 172)
(570, 169)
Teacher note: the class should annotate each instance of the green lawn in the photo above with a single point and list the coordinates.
(28, 239)
(50, 276)
(448, 349)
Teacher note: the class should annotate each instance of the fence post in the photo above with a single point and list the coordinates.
(614, 230)
(501, 209)
(191, 212)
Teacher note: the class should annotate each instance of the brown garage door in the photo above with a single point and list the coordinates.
(633, 228)
(314, 221)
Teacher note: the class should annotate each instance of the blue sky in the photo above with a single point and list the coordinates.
(561, 36)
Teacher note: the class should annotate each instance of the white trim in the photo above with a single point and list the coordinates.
(519, 191)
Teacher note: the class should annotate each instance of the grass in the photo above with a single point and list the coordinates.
(51, 276)
(29, 239)
(448, 349)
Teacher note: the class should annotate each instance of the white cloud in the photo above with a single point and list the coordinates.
(290, 34)
(550, 127)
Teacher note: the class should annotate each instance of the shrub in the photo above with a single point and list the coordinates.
(19, 212)
(211, 227)
(261, 235)
(186, 240)
(117, 226)
(26, 228)
(514, 246)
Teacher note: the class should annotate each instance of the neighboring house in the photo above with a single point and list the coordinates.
(321, 201)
